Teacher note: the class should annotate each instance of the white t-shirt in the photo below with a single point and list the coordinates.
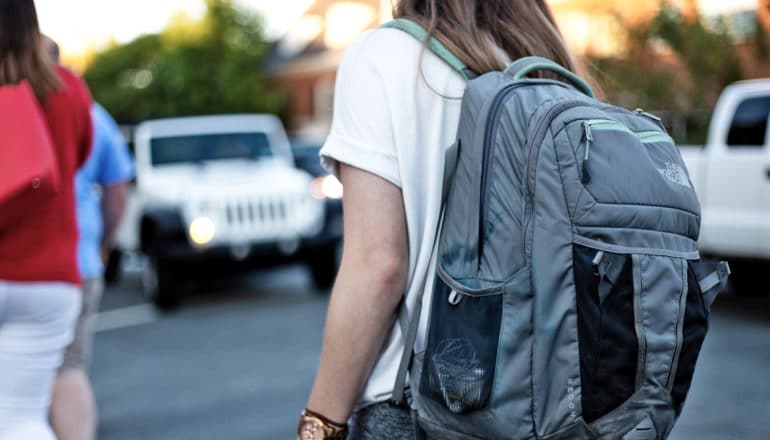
(396, 109)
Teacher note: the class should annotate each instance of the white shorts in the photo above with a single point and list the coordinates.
(36, 324)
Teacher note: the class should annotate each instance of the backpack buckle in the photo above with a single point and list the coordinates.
(455, 297)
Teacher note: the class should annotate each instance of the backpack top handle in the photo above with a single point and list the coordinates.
(524, 66)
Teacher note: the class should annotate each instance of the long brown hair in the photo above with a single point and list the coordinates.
(467, 27)
(23, 55)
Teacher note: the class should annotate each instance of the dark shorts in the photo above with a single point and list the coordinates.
(381, 421)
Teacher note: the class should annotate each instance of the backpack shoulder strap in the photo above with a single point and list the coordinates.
(418, 32)
(409, 325)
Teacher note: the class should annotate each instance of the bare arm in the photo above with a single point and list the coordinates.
(113, 205)
(369, 287)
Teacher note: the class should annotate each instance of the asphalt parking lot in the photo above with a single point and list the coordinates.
(237, 362)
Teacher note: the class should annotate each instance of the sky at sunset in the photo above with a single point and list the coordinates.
(82, 24)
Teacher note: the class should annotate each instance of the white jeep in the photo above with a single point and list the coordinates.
(221, 193)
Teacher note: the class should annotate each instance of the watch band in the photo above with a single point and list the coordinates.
(315, 426)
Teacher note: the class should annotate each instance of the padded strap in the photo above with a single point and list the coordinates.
(409, 326)
(524, 66)
(414, 29)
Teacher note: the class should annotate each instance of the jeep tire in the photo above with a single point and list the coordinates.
(159, 283)
(747, 277)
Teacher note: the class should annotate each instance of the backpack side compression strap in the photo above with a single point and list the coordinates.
(414, 29)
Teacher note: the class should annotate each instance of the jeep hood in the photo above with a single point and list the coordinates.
(225, 177)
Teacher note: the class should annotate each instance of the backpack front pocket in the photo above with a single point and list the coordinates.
(621, 166)
(609, 347)
(461, 352)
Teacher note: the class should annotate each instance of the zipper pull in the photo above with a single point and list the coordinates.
(585, 177)
(649, 115)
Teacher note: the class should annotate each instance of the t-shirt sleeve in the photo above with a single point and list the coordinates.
(115, 162)
(362, 127)
(117, 166)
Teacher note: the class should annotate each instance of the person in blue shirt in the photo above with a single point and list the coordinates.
(101, 190)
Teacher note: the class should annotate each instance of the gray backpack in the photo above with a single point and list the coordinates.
(570, 301)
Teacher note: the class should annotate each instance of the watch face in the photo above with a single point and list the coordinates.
(311, 429)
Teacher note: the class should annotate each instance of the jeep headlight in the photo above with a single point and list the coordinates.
(202, 230)
(326, 188)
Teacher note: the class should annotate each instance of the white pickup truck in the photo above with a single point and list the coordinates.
(731, 174)
(221, 193)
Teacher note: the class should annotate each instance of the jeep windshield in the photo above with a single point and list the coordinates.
(199, 148)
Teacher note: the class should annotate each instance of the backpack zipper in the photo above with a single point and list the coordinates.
(585, 177)
(645, 137)
(492, 117)
(649, 137)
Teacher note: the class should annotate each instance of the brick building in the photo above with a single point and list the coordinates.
(305, 61)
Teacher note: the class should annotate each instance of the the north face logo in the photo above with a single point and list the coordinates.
(676, 174)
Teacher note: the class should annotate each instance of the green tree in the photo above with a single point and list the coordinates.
(192, 67)
(708, 52)
(701, 61)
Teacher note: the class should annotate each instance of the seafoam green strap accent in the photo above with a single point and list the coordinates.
(523, 67)
(414, 29)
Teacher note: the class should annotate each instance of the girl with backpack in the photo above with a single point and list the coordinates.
(397, 106)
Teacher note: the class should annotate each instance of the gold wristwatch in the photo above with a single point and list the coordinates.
(314, 426)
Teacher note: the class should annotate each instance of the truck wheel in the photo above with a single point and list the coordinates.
(158, 283)
(746, 277)
(323, 268)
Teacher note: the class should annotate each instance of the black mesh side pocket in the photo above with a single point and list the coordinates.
(609, 347)
(694, 332)
(461, 352)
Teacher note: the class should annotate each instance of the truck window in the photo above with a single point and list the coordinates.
(206, 147)
(749, 126)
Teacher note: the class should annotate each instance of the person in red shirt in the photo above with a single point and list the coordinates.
(39, 280)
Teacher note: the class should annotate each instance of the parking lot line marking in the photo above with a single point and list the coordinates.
(125, 317)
